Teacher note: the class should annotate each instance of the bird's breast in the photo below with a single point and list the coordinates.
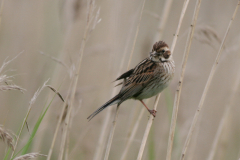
(163, 74)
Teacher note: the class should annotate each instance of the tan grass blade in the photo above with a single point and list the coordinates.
(185, 5)
(147, 130)
(55, 91)
(149, 124)
(207, 86)
(163, 20)
(179, 87)
(161, 27)
(91, 18)
(109, 143)
(100, 145)
(226, 112)
(59, 122)
(133, 133)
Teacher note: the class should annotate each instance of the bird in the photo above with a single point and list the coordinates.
(150, 77)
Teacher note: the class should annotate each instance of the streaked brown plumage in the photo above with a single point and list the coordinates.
(147, 79)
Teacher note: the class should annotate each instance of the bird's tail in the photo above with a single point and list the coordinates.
(112, 101)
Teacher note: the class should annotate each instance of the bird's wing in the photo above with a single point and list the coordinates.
(141, 76)
(125, 75)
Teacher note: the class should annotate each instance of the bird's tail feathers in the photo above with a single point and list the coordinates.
(112, 101)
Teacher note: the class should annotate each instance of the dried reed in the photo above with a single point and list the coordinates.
(132, 135)
(59, 122)
(207, 86)
(100, 145)
(92, 21)
(161, 27)
(109, 143)
(226, 112)
(179, 87)
(149, 124)
(1, 10)
(163, 20)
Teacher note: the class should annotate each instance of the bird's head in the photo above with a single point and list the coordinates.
(160, 52)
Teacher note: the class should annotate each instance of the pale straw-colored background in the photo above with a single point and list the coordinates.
(56, 28)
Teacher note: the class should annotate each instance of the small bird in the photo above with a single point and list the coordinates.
(147, 79)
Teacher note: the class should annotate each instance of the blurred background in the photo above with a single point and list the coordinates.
(46, 29)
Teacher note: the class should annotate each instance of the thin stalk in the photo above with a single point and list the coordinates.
(185, 5)
(99, 146)
(1, 10)
(75, 111)
(28, 112)
(38, 142)
(189, 136)
(147, 130)
(149, 124)
(75, 78)
(136, 35)
(59, 122)
(179, 87)
(161, 27)
(129, 62)
(133, 133)
(164, 18)
(73, 82)
(111, 135)
(224, 118)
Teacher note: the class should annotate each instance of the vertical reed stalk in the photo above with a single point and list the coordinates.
(133, 133)
(163, 21)
(224, 118)
(111, 134)
(59, 123)
(179, 87)
(207, 87)
(1, 10)
(76, 77)
(185, 5)
(129, 62)
(73, 85)
(147, 130)
(100, 145)
(161, 27)
(149, 124)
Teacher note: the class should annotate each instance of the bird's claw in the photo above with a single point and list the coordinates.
(153, 112)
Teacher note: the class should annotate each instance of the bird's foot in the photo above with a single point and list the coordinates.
(153, 112)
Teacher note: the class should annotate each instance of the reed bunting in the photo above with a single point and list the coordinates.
(147, 79)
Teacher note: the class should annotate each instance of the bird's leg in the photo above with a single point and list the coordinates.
(152, 112)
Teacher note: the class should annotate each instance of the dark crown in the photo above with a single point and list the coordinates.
(159, 45)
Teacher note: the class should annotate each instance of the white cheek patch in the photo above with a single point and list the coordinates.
(163, 59)
(166, 48)
(155, 59)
